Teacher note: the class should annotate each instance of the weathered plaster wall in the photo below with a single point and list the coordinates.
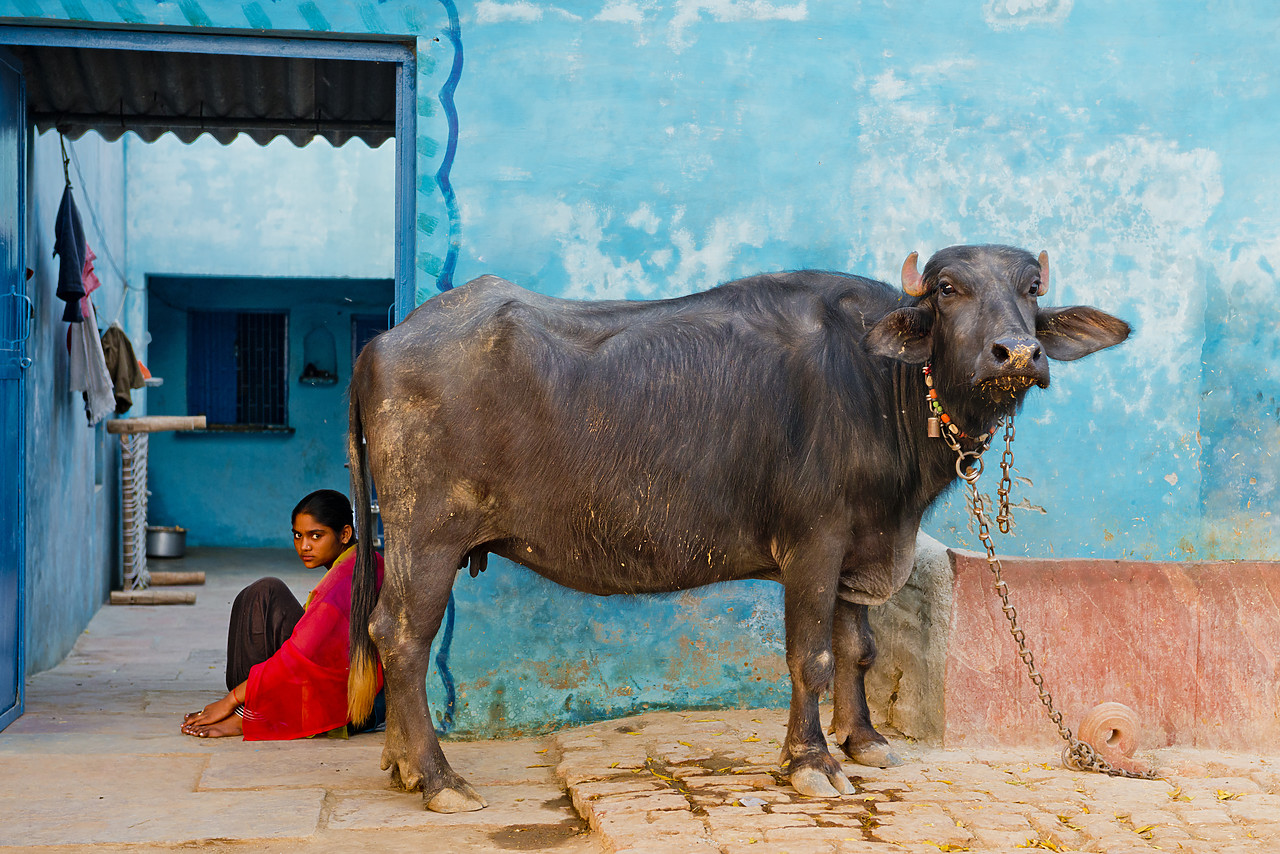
(620, 149)
(72, 480)
(649, 148)
(263, 212)
(654, 149)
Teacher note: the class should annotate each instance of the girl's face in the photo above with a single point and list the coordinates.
(317, 544)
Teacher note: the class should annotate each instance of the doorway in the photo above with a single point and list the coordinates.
(113, 81)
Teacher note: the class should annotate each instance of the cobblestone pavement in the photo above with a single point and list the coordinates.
(709, 782)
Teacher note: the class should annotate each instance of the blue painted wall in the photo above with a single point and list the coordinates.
(72, 468)
(655, 149)
(647, 149)
(621, 149)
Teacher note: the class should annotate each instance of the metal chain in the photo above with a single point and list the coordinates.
(1079, 755)
(1004, 518)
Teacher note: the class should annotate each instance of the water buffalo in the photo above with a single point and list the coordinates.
(773, 427)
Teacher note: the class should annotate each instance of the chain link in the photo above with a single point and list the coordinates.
(1004, 519)
(1078, 755)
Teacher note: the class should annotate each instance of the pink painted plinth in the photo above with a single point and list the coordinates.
(1193, 648)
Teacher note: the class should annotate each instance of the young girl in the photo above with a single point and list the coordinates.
(287, 662)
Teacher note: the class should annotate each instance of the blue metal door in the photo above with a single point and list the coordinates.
(15, 326)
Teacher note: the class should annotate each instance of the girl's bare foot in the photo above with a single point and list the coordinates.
(220, 729)
(217, 712)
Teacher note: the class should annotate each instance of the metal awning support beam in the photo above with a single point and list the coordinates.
(136, 122)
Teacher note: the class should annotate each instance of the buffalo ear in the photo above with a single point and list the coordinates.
(904, 335)
(1075, 331)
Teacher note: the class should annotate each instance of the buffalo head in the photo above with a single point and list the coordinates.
(978, 319)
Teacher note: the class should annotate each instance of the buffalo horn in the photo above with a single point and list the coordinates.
(912, 282)
(1044, 273)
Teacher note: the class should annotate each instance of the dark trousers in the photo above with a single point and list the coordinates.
(262, 618)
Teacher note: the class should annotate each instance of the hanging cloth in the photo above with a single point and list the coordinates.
(69, 246)
(89, 368)
(88, 363)
(122, 366)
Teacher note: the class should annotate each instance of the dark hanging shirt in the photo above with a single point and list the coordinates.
(69, 246)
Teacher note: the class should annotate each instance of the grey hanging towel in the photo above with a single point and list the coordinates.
(69, 246)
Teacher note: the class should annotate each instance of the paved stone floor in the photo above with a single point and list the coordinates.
(708, 782)
(97, 763)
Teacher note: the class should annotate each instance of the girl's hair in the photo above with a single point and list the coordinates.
(328, 507)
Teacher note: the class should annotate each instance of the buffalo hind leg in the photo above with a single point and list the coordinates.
(810, 765)
(855, 648)
(404, 623)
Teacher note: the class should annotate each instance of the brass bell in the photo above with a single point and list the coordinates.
(935, 427)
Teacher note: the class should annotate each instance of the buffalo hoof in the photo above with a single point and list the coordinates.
(814, 783)
(874, 755)
(406, 782)
(460, 799)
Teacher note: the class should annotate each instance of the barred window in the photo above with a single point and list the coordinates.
(363, 328)
(237, 367)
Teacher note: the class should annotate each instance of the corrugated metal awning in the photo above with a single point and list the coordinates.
(77, 89)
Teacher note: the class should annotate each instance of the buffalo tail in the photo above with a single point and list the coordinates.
(362, 679)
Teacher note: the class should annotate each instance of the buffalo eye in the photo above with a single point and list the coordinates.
(946, 288)
(1035, 288)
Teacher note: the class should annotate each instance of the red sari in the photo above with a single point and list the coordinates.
(302, 689)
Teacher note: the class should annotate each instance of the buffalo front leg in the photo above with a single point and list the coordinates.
(855, 649)
(405, 621)
(808, 611)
